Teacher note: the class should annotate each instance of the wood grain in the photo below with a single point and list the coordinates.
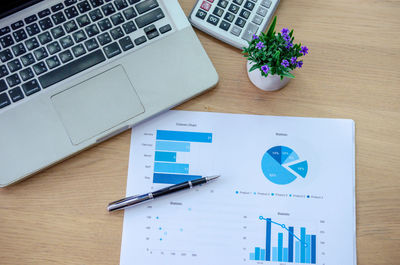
(59, 215)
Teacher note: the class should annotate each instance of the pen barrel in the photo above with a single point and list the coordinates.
(178, 187)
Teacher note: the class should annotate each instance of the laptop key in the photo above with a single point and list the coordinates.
(39, 68)
(30, 19)
(116, 33)
(72, 68)
(3, 85)
(117, 19)
(84, 6)
(13, 80)
(52, 62)
(57, 32)
(16, 94)
(96, 3)
(18, 49)
(120, 4)
(70, 26)
(65, 56)
(78, 50)
(31, 44)
(129, 13)
(104, 24)
(129, 27)
(17, 25)
(112, 50)
(3, 71)
(57, 7)
(151, 32)
(133, 1)
(79, 36)
(27, 59)
(126, 43)
(70, 2)
(40, 53)
(146, 5)
(108, 9)
(92, 30)
(149, 18)
(53, 47)
(95, 15)
(165, 29)
(5, 30)
(26, 74)
(104, 38)
(71, 12)
(83, 21)
(58, 18)
(44, 38)
(32, 29)
(14, 65)
(140, 40)
(45, 23)
(44, 13)
(91, 44)
(6, 41)
(31, 87)
(66, 42)
(20, 35)
(4, 100)
(6, 55)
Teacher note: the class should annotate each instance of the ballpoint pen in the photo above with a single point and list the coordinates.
(138, 199)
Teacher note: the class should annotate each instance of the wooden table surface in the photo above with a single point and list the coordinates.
(59, 215)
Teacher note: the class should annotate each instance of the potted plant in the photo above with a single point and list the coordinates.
(272, 57)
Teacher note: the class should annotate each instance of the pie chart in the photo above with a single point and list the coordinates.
(281, 165)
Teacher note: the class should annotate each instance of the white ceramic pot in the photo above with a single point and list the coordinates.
(269, 83)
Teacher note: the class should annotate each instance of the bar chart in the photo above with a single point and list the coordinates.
(168, 167)
(299, 248)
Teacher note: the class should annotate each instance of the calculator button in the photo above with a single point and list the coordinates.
(257, 20)
(201, 14)
(205, 6)
(224, 25)
(249, 5)
(229, 16)
(212, 20)
(266, 3)
(262, 11)
(251, 29)
(240, 22)
(244, 14)
(236, 31)
(233, 8)
(238, 2)
(218, 11)
(223, 3)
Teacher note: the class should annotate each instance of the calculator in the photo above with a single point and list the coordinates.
(233, 21)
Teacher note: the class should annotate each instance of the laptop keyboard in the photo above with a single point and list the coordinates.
(70, 37)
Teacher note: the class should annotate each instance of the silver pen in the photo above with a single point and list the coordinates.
(138, 199)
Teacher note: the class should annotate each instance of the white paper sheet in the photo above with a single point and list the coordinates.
(286, 194)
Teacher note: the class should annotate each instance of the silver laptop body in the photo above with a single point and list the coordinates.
(95, 99)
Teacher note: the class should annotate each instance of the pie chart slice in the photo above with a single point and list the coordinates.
(273, 169)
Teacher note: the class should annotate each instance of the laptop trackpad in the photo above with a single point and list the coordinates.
(97, 104)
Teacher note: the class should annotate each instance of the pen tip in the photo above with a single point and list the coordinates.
(213, 177)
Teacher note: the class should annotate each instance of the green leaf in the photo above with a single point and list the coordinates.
(271, 29)
(254, 67)
(288, 75)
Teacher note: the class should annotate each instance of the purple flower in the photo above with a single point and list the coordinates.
(265, 68)
(304, 50)
(299, 64)
(285, 31)
(255, 37)
(260, 45)
(293, 60)
(285, 63)
(289, 45)
(286, 38)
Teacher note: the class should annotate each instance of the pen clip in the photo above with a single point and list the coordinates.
(124, 199)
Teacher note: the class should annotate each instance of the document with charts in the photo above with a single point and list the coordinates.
(286, 194)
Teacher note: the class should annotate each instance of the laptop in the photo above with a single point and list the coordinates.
(75, 73)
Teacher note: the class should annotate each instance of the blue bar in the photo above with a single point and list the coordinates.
(297, 252)
(303, 247)
(252, 256)
(285, 254)
(290, 244)
(268, 241)
(172, 146)
(274, 254)
(172, 178)
(171, 168)
(257, 254)
(262, 256)
(280, 246)
(313, 249)
(308, 249)
(165, 156)
(184, 136)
